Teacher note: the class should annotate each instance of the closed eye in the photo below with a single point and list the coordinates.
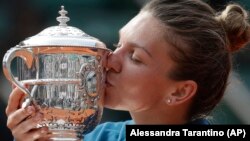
(134, 58)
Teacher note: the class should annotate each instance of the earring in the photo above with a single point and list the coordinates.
(169, 100)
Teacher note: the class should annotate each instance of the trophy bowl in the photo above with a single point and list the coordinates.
(64, 68)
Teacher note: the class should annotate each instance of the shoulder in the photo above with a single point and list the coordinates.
(109, 131)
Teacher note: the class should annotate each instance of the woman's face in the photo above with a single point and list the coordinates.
(137, 79)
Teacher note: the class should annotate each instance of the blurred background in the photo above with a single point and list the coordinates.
(103, 19)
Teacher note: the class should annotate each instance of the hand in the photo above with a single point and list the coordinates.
(23, 121)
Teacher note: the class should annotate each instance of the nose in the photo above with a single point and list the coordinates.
(114, 63)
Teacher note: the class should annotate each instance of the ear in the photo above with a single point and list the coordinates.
(184, 92)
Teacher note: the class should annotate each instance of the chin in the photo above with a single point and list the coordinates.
(115, 105)
(112, 107)
(111, 99)
(111, 104)
(109, 93)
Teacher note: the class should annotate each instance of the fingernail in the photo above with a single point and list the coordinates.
(26, 85)
(44, 130)
(38, 117)
(30, 110)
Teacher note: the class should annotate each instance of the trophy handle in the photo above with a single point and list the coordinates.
(26, 55)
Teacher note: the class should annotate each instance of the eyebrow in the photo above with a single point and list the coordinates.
(140, 47)
(137, 46)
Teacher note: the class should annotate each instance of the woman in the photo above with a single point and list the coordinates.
(171, 66)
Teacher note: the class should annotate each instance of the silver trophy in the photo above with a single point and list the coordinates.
(64, 68)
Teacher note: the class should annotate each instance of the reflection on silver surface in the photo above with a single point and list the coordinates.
(68, 89)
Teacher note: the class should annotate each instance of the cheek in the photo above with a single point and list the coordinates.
(142, 98)
(136, 88)
(142, 92)
(133, 92)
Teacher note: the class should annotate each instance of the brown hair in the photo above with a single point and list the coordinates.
(203, 41)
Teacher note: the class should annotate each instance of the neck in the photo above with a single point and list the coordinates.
(172, 115)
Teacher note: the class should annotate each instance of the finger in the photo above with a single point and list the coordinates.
(13, 86)
(28, 124)
(14, 100)
(40, 133)
(45, 135)
(33, 135)
(18, 116)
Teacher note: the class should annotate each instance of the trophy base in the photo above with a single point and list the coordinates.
(64, 135)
